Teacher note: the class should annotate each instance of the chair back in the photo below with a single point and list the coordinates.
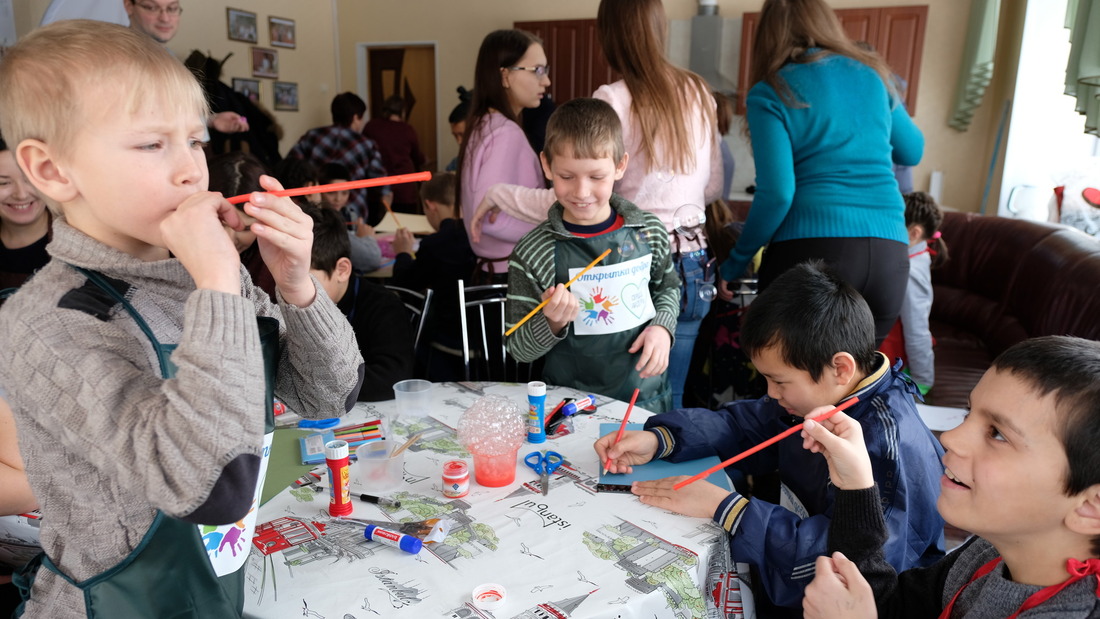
(418, 305)
(485, 355)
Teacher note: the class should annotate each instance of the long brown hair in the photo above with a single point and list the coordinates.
(633, 34)
(788, 28)
(500, 49)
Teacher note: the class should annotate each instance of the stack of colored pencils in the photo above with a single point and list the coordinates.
(358, 434)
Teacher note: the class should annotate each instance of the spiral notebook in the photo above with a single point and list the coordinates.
(657, 469)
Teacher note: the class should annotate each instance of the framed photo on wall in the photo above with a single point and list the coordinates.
(265, 62)
(248, 88)
(286, 96)
(283, 32)
(242, 25)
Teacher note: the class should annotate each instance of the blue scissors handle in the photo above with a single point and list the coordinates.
(543, 462)
(319, 424)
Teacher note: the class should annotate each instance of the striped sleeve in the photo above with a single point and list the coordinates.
(664, 283)
(728, 514)
(530, 272)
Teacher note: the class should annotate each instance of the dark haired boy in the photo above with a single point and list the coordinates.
(1022, 472)
(366, 254)
(443, 259)
(378, 317)
(812, 337)
(343, 142)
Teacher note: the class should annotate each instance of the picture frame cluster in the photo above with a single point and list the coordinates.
(243, 26)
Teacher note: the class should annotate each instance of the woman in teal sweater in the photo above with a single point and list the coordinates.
(827, 125)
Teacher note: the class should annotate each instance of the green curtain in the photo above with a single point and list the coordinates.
(977, 66)
(1083, 69)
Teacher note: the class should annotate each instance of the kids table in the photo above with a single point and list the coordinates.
(571, 553)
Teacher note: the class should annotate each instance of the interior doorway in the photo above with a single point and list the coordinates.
(407, 70)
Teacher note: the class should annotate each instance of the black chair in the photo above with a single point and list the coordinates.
(418, 305)
(484, 353)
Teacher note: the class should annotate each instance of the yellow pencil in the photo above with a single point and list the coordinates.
(567, 284)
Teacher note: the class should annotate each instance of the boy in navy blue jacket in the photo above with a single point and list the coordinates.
(812, 337)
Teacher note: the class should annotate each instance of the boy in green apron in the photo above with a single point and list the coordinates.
(612, 331)
(140, 362)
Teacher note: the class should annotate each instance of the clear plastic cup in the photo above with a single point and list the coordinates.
(495, 470)
(377, 469)
(414, 397)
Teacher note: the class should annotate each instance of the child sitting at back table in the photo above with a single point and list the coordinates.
(134, 361)
(1022, 473)
(366, 255)
(443, 259)
(910, 338)
(24, 225)
(630, 300)
(812, 337)
(378, 317)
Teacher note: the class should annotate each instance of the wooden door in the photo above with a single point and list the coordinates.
(901, 41)
(577, 64)
(895, 32)
(408, 71)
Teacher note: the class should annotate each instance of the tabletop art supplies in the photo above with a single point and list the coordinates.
(622, 426)
(656, 469)
(408, 543)
(492, 431)
(544, 463)
(456, 479)
(313, 445)
(339, 478)
(536, 412)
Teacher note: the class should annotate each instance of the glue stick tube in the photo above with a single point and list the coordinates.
(408, 543)
(572, 408)
(337, 462)
(536, 413)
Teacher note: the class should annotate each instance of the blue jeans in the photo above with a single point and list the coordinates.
(692, 269)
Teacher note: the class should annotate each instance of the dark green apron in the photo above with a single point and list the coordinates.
(169, 575)
(600, 363)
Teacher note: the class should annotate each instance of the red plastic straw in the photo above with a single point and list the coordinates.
(771, 441)
(360, 184)
(622, 426)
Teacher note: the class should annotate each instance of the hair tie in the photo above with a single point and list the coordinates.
(936, 234)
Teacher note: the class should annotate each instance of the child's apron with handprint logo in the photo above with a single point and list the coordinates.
(616, 306)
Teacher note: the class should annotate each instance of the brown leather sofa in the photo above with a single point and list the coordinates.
(1007, 280)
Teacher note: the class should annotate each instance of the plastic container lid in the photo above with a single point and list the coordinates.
(536, 388)
(336, 450)
(489, 596)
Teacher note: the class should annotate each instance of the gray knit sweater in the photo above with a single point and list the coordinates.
(107, 441)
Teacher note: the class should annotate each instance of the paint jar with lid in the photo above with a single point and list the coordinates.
(456, 479)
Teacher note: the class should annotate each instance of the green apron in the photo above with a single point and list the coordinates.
(600, 363)
(173, 572)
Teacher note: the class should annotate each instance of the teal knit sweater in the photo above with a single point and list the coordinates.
(825, 169)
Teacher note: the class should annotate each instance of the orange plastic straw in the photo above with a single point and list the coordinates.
(545, 301)
(771, 441)
(622, 426)
(360, 184)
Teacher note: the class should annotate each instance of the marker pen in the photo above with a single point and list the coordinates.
(408, 543)
(573, 408)
(381, 500)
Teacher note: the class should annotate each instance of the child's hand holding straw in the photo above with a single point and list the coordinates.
(840, 439)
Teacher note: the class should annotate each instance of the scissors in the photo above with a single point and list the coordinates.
(544, 463)
(319, 424)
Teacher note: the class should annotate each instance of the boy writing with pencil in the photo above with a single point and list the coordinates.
(812, 337)
(1022, 472)
(612, 332)
(139, 362)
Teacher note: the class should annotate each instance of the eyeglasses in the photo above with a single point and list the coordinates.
(540, 71)
(174, 10)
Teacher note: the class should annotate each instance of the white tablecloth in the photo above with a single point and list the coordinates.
(573, 553)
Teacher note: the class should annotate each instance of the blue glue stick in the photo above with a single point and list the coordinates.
(572, 408)
(408, 543)
(536, 413)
